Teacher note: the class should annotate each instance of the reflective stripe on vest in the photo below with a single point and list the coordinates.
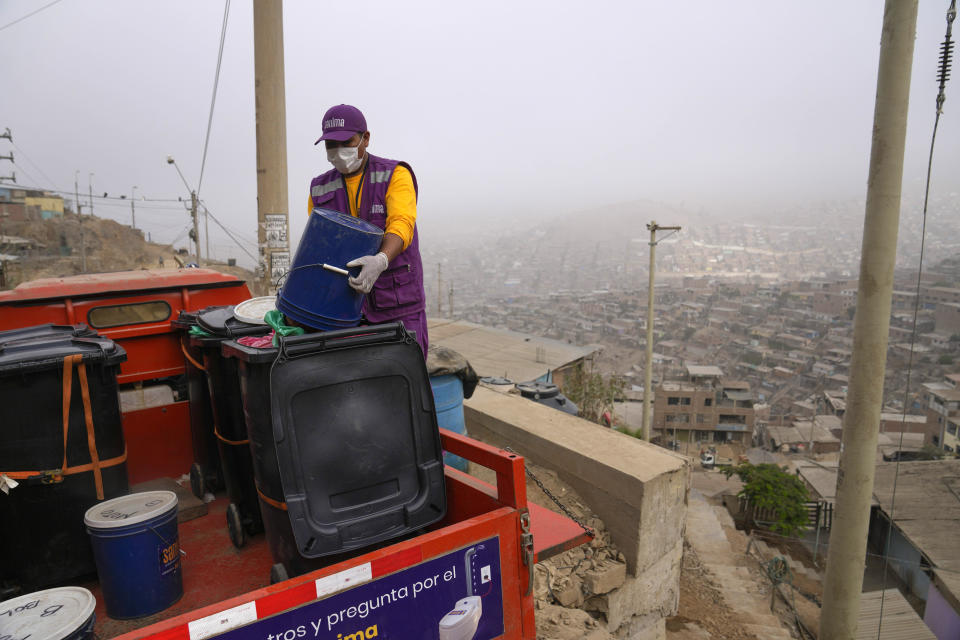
(380, 176)
(322, 189)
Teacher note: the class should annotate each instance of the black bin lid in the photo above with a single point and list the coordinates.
(536, 390)
(220, 322)
(44, 330)
(47, 351)
(356, 438)
(185, 319)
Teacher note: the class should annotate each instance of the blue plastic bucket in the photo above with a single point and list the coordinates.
(64, 613)
(315, 296)
(448, 400)
(137, 550)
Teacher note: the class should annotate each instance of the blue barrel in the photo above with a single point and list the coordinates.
(137, 550)
(317, 297)
(64, 613)
(448, 400)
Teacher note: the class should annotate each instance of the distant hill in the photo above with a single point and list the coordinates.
(55, 247)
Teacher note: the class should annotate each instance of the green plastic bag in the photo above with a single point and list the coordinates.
(275, 319)
(198, 332)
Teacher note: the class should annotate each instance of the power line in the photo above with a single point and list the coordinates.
(34, 164)
(213, 98)
(24, 172)
(104, 198)
(32, 13)
(227, 231)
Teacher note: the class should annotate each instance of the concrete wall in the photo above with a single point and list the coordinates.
(639, 490)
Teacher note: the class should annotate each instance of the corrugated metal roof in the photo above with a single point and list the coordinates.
(927, 509)
(499, 352)
(900, 621)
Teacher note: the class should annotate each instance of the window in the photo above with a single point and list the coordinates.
(678, 417)
(952, 428)
(936, 440)
(708, 402)
(124, 314)
(685, 402)
(701, 418)
(673, 400)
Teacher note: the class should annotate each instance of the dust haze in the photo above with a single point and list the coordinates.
(510, 113)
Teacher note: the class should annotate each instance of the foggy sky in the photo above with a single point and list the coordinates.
(508, 111)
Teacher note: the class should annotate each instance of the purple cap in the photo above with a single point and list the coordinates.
(341, 123)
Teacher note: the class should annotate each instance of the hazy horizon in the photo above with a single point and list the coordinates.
(509, 113)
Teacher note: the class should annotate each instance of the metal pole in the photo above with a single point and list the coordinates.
(196, 227)
(848, 539)
(271, 132)
(90, 190)
(133, 210)
(83, 243)
(206, 232)
(648, 368)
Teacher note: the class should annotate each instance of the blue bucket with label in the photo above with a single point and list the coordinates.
(137, 550)
(315, 292)
(448, 400)
(64, 613)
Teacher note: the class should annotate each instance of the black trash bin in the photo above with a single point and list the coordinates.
(547, 393)
(206, 473)
(346, 449)
(64, 464)
(230, 428)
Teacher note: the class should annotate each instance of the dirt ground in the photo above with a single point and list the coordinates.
(695, 598)
(702, 612)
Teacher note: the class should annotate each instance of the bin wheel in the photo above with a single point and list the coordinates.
(278, 573)
(196, 480)
(235, 526)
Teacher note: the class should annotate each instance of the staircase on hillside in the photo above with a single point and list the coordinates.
(746, 596)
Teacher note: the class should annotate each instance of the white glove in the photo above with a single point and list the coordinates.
(373, 266)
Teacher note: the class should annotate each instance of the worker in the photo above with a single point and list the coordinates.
(384, 193)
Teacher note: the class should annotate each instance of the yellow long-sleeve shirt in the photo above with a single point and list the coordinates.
(401, 203)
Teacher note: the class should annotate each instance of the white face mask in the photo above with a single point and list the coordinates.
(345, 159)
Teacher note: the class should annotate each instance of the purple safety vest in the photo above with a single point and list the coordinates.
(398, 291)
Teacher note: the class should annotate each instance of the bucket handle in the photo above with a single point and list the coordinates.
(322, 265)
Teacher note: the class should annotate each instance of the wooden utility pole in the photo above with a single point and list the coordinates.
(871, 325)
(273, 218)
(648, 369)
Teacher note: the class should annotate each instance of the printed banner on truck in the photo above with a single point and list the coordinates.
(457, 596)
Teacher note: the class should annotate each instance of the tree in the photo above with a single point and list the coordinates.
(592, 392)
(945, 359)
(767, 487)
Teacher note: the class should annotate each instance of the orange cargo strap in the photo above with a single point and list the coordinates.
(183, 347)
(270, 501)
(95, 463)
(235, 443)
